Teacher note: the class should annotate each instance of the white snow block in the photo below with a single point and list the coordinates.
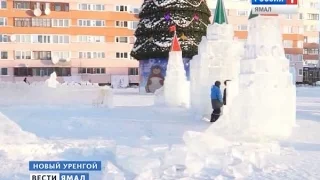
(176, 155)
(111, 172)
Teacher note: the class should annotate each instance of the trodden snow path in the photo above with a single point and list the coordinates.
(135, 127)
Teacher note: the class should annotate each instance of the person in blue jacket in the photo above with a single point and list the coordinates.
(216, 101)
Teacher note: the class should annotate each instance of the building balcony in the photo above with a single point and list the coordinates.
(293, 50)
(310, 45)
(310, 56)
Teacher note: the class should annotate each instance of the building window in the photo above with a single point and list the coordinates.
(3, 21)
(135, 10)
(91, 23)
(92, 55)
(41, 55)
(21, 5)
(4, 54)
(288, 16)
(23, 38)
(121, 23)
(312, 16)
(300, 16)
(4, 38)
(121, 8)
(60, 22)
(61, 55)
(40, 22)
(86, 38)
(242, 12)
(122, 39)
(305, 39)
(60, 39)
(300, 44)
(22, 54)
(122, 55)
(300, 72)
(90, 39)
(91, 7)
(133, 71)
(289, 56)
(290, 29)
(311, 51)
(314, 5)
(3, 4)
(46, 39)
(22, 22)
(44, 71)
(242, 27)
(62, 71)
(313, 39)
(60, 7)
(134, 24)
(287, 44)
(4, 71)
(92, 70)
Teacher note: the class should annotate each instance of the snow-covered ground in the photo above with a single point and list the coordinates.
(136, 136)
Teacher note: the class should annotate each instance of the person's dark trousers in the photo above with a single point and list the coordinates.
(225, 96)
(215, 114)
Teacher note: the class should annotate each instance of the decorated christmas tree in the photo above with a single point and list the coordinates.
(159, 19)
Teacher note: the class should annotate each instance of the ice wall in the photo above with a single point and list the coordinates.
(65, 94)
(176, 89)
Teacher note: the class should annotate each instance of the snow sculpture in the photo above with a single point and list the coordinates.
(262, 111)
(52, 81)
(218, 59)
(176, 90)
(104, 98)
(266, 103)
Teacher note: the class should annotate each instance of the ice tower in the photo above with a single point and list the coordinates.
(266, 103)
(176, 88)
(217, 60)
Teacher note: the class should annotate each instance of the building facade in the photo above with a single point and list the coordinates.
(92, 41)
(89, 41)
(300, 33)
(309, 12)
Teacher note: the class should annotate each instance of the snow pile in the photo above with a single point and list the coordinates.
(112, 172)
(136, 160)
(11, 133)
(176, 90)
(52, 81)
(64, 94)
(152, 161)
(213, 64)
(236, 159)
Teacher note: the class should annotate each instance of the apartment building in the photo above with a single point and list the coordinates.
(89, 41)
(292, 28)
(309, 12)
